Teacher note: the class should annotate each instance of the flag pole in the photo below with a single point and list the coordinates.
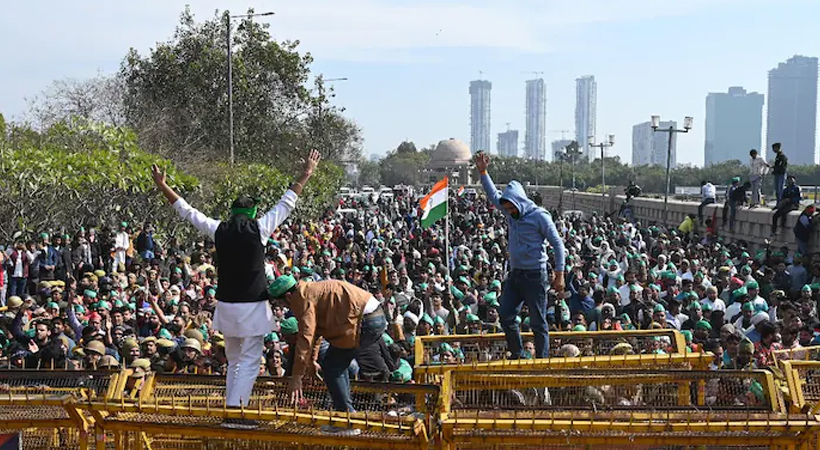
(447, 235)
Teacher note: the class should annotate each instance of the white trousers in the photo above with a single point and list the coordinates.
(244, 357)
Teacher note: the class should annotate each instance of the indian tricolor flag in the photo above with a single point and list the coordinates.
(460, 191)
(434, 205)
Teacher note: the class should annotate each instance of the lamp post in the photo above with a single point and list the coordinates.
(228, 19)
(602, 146)
(656, 123)
(568, 153)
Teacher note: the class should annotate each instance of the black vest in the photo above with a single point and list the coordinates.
(241, 261)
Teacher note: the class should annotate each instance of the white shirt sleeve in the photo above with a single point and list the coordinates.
(200, 221)
(273, 218)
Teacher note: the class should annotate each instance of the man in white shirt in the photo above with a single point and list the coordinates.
(121, 243)
(708, 194)
(758, 167)
(243, 313)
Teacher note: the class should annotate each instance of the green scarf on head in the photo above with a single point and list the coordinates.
(250, 212)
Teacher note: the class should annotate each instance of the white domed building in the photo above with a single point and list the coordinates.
(451, 157)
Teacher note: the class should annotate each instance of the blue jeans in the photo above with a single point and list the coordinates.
(779, 182)
(337, 360)
(17, 286)
(147, 255)
(530, 287)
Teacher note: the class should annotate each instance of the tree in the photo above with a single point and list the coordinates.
(406, 147)
(175, 97)
(369, 173)
(402, 168)
(98, 99)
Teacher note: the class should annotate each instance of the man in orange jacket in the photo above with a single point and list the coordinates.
(347, 317)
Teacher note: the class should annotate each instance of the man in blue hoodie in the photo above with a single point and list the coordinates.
(529, 228)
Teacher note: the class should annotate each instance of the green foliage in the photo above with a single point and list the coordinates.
(369, 173)
(80, 174)
(226, 183)
(403, 167)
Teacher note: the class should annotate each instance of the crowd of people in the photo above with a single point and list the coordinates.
(100, 298)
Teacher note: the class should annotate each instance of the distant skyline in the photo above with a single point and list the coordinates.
(586, 112)
(535, 116)
(408, 62)
(651, 148)
(734, 125)
(792, 109)
(480, 115)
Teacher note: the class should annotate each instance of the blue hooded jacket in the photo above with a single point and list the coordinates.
(527, 248)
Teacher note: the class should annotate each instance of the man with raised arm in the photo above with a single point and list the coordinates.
(243, 313)
(530, 228)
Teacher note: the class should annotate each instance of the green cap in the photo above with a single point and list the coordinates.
(579, 327)
(658, 308)
(806, 288)
(426, 318)
(495, 284)
(612, 290)
(707, 307)
(703, 325)
(695, 306)
(740, 292)
(281, 285)
(89, 293)
(472, 318)
(491, 297)
(124, 224)
(456, 292)
(387, 339)
(43, 235)
(748, 306)
(289, 326)
(752, 285)
(271, 337)
(687, 335)
(52, 305)
(464, 280)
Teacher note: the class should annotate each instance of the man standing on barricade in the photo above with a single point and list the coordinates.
(527, 281)
(243, 313)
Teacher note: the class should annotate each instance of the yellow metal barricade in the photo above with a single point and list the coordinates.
(624, 408)
(810, 353)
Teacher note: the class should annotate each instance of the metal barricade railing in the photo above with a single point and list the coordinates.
(803, 381)
(505, 394)
(699, 361)
(493, 347)
(810, 353)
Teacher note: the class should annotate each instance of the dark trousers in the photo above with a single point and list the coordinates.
(781, 213)
(530, 287)
(707, 201)
(17, 286)
(337, 361)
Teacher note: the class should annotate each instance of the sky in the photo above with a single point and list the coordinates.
(409, 63)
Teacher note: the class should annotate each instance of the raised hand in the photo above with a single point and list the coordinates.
(158, 175)
(482, 161)
(312, 161)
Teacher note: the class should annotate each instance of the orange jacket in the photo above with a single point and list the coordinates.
(331, 309)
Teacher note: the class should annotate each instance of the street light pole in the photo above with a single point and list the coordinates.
(602, 146)
(228, 19)
(656, 123)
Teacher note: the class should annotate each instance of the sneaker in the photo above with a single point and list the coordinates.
(339, 431)
(240, 424)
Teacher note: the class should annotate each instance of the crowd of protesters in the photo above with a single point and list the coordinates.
(114, 298)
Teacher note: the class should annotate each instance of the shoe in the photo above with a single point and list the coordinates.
(339, 431)
(240, 424)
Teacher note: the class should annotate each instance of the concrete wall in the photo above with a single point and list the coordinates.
(753, 225)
